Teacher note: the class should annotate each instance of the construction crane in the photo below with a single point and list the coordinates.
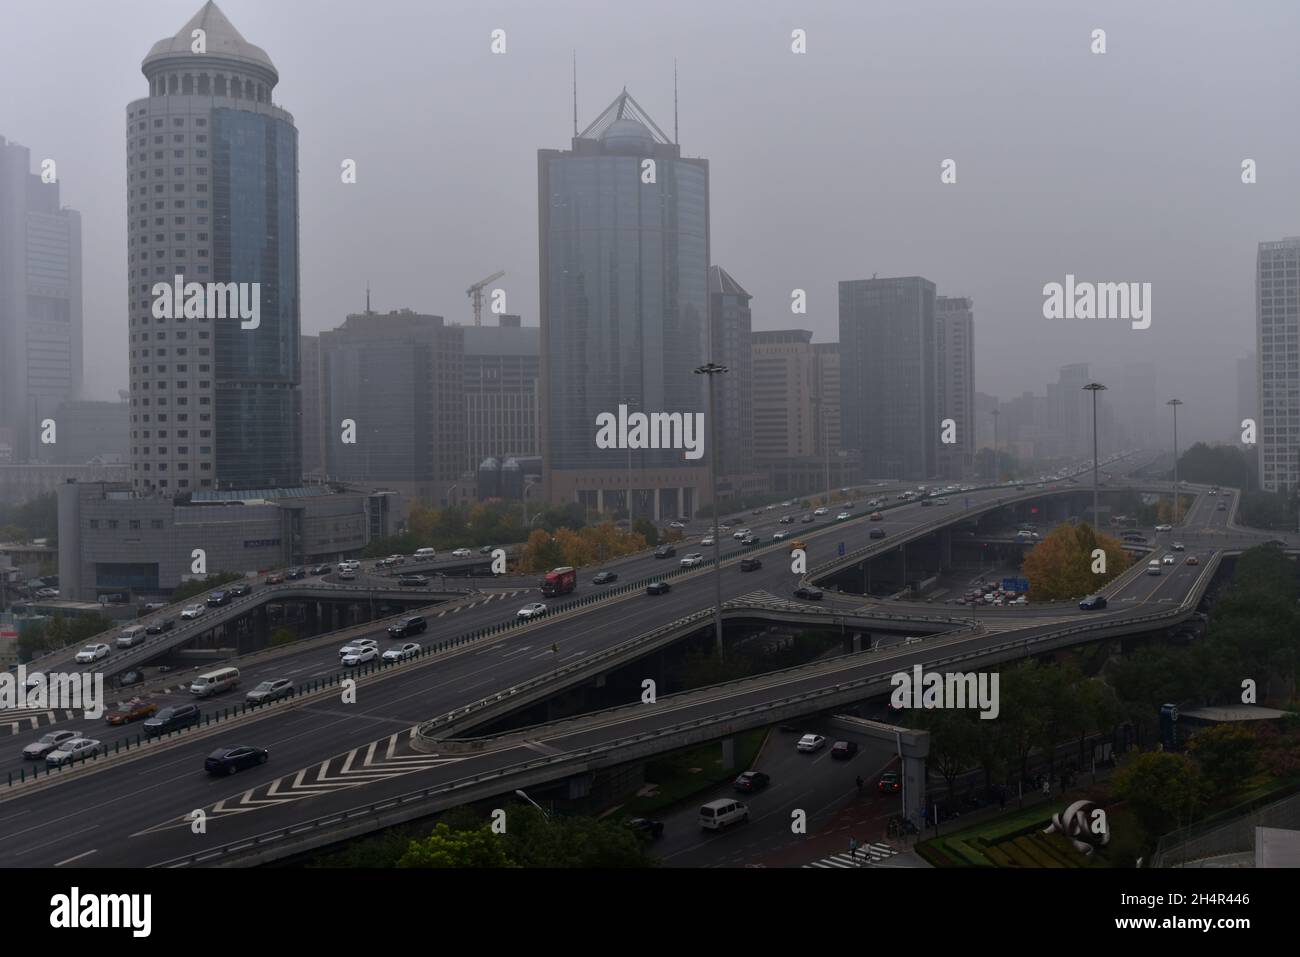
(475, 292)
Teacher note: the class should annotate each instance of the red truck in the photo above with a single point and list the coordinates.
(560, 581)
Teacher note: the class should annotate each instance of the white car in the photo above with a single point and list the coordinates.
(50, 741)
(842, 516)
(690, 561)
(1168, 560)
(347, 575)
(743, 533)
(811, 742)
(676, 524)
(71, 750)
(940, 501)
(408, 650)
(352, 647)
(92, 653)
(193, 611)
(707, 540)
(531, 611)
(359, 656)
(821, 511)
(1164, 528)
(461, 553)
(780, 536)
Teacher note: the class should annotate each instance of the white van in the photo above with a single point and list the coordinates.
(716, 815)
(1153, 567)
(215, 682)
(421, 554)
(131, 635)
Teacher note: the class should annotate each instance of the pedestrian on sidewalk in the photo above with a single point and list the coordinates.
(853, 848)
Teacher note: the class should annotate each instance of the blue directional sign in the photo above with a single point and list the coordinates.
(1018, 585)
(841, 549)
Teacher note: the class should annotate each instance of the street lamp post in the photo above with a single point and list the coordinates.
(712, 369)
(1094, 388)
(521, 794)
(1175, 403)
(631, 404)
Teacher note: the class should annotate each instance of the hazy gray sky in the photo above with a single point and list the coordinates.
(825, 166)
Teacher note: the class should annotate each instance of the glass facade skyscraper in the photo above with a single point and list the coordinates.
(624, 294)
(212, 174)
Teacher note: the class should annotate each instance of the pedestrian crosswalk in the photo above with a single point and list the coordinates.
(766, 599)
(864, 856)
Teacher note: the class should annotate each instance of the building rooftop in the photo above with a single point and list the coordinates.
(222, 40)
(721, 281)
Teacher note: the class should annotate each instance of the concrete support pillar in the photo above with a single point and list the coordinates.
(945, 549)
(655, 493)
(600, 500)
(728, 753)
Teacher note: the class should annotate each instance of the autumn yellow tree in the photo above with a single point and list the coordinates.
(1062, 565)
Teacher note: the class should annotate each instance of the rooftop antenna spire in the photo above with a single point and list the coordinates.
(575, 93)
(676, 141)
(367, 297)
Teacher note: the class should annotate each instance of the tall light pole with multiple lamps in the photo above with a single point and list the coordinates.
(1094, 388)
(1175, 403)
(712, 370)
(995, 413)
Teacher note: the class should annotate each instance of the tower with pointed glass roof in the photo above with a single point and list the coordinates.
(624, 282)
(212, 195)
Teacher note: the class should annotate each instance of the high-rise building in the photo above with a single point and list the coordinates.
(398, 379)
(730, 325)
(785, 390)
(1277, 342)
(212, 196)
(1247, 395)
(40, 306)
(888, 375)
(624, 273)
(826, 397)
(313, 409)
(501, 384)
(955, 340)
(1070, 413)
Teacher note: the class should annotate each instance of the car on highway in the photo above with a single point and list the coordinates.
(48, 742)
(360, 656)
(347, 575)
(926, 503)
(352, 647)
(676, 524)
(604, 578)
(691, 560)
(230, 760)
(1164, 528)
(128, 678)
(242, 590)
(217, 599)
(665, 551)
(485, 550)
(1168, 560)
(843, 750)
(92, 653)
(780, 536)
(940, 501)
(408, 626)
(47, 593)
(786, 520)
(646, 828)
(750, 540)
(808, 592)
(137, 709)
(74, 749)
(130, 636)
(413, 581)
(876, 517)
(717, 815)
(658, 588)
(1192, 560)
(807, 520)
(742, 533)
(295, 573)
(409, 650)
(810, 743)
(462, 553)
(1153, 567)
(1178, 546)
(750, 564)
(270, 690)
(321, 569)
(889, 783)
(757, 511)
(190, 612)
(275, 578)
(1093, 603)
(1221, 507)
(876, 533)
(751, 781)
(822, 510)
(531, 611)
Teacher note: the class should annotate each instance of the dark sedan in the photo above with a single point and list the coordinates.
(604, 578)
(658, 588)
(158, 627)
(321, 570)
(752, 781)
(230, 760)
(811, 594)
(644, 827)
(240, 591)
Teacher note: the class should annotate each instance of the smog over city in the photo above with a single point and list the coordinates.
(565, 433)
